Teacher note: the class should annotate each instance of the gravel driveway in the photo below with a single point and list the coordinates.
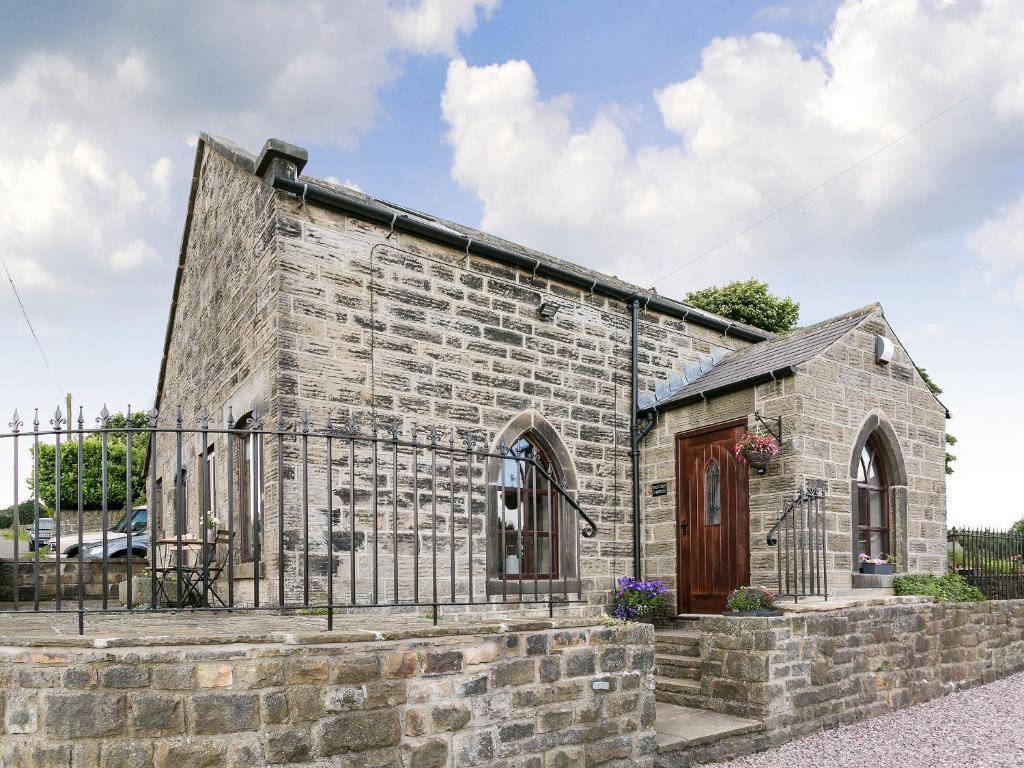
(978, 728)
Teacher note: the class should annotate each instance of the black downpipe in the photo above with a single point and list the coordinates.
(634, 441)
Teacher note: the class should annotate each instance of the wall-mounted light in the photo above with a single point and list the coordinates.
(548, 310)
(884, 349)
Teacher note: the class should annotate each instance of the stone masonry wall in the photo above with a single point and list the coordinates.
(800, 673)
(379, 321)
(292, 308)
(224, 332)
(824, 407)
(520, 699)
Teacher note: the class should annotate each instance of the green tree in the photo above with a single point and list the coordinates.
(1018, 527)
(92, 466)
(748, 301)
(950, 440)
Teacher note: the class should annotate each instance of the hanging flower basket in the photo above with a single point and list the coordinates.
(757, 450)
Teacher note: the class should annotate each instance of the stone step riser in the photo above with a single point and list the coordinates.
(678, 673)
(694, 700)
(674, 649)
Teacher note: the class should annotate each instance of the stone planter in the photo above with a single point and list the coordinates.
(882, 569)
(755, 612)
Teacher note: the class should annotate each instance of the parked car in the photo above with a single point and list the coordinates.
(117, 548)
(137, 521)
(45, 532)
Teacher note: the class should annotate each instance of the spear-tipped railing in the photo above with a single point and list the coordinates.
(291, 511)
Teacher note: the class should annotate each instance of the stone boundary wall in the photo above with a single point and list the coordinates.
(92, 573)
(801, 673)
(550, 698)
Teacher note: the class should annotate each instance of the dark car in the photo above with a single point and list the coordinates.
(45, 532)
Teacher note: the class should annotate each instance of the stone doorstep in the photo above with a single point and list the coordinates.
(679, 728)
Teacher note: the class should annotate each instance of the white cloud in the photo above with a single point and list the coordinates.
(96, 140)
(135, 254)
(999, 244)
(756, 126)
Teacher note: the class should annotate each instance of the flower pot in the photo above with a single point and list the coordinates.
(759, 461)
(880, 568)
(755, 612)
(647, 618)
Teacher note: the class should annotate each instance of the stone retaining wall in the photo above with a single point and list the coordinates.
(92, 573)
(542, 698)
(801, 673)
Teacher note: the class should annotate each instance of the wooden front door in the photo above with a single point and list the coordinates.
(713, 519)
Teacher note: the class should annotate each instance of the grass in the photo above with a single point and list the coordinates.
(8, 533)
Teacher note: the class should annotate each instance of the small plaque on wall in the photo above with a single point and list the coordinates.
(659, 489)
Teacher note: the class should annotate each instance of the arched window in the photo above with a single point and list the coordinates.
(250, 485)
(527, 514)
(873, 502)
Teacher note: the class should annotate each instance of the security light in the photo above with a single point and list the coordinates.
(548, 310)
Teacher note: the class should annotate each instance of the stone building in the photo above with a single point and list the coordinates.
(295, 298)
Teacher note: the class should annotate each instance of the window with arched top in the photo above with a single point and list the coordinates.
(873, 529)
(712, 494)
(527, 524)
(249, 482)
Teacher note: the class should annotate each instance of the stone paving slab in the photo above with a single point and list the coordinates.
(681, 727)
(121, 628)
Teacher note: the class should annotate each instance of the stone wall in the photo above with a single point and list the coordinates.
(292, 308)
(520, 698)
(92, 578)
(825, 408)
(828, 408)
(803, 672)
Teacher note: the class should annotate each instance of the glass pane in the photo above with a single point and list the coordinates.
(712, 495)
(862, 468)
(878, 543)
(876, 509)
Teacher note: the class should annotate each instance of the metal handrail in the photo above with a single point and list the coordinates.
(800, 534)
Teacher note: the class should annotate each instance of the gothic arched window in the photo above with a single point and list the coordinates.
(527, 513)
(873, 502)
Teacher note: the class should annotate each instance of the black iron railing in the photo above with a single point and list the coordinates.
(800, 536)
(321, 518)
(992, 561)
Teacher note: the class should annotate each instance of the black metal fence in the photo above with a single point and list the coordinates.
(992, 561)
(800, 535)
(321, 518)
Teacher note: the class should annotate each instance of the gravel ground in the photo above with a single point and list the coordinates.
(981, 727)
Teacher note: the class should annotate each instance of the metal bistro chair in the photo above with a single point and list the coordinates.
(193, 559)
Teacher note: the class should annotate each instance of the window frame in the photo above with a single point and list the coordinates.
(528, 532)
(250, 488)
(868, 489)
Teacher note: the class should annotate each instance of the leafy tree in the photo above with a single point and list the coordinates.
(92, 461)
(26, 513)
(748, 301)
(1018, 527)
(950, 440)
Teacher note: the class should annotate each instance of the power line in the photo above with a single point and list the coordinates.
(24, 313)
(827, 181)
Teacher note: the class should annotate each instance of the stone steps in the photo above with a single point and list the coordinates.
(680, 691)
(688, 735)
(679, 667)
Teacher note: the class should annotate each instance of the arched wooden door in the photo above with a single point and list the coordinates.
(713, 518)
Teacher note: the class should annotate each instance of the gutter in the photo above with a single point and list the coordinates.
(724, 389)
(634, 442)
(445, 236)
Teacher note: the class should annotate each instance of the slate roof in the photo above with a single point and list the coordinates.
(778, 356)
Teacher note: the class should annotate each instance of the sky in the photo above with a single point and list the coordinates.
(631, 138)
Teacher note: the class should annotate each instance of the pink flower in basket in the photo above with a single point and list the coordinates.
(756, 450)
